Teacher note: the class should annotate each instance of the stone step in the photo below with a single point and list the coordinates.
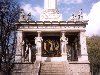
(55, 74)
(52, 74)
(52, 68)
(53, 63)
(52, 71)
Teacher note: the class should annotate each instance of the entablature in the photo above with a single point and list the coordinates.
(51, 25)
(58, 23)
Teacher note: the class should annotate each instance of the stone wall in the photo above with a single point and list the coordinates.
(80, 68)
(26, 68)
(23, 69)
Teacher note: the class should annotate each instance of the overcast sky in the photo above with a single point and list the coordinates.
(91, 10)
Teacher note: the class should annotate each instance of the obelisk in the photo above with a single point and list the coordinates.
(50, 4)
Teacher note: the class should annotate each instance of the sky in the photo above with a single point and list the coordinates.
(91, 11)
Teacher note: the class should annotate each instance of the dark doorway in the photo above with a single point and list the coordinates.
(73, 46)
(29, 41)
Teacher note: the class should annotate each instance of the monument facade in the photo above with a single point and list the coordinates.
(51, 41)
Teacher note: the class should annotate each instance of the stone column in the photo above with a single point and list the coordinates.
(83, 47)
(18, 54)
(38, 42)
(64, 42)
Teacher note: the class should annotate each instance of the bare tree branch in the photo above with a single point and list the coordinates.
(9, 14)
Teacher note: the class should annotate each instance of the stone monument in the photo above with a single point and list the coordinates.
(51, 44)
(50, 12)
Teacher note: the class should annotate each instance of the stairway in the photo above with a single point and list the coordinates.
(54, 68)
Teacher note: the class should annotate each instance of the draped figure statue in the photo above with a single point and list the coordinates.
(64, 42)
(38, 41)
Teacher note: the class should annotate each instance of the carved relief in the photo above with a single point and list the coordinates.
(51, 47)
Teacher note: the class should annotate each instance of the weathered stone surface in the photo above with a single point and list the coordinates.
(23, 69)
(26, 68)
(54, 68)
(80, 68)
(64, 68)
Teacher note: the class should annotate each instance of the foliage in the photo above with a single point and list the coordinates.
(94, 49)
(93, 44)
(9, 14)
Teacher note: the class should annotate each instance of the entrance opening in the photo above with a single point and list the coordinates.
(51, 46)
(73, 46)
(29, 43)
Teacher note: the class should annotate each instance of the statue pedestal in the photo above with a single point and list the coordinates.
(83, 58)
(38, 56)
(64, 57)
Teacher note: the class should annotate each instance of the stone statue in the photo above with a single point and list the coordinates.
(26, 52)
(29, 52)
(51, 45)
(45, 46)
(22, 15)
(23, 44)
(29, 17)
(57, 46)
(78, 16)
(38, 41)
(69, 52)
(64, 42)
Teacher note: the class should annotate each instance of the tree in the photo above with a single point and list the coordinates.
(94, 52)
(9, 14)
